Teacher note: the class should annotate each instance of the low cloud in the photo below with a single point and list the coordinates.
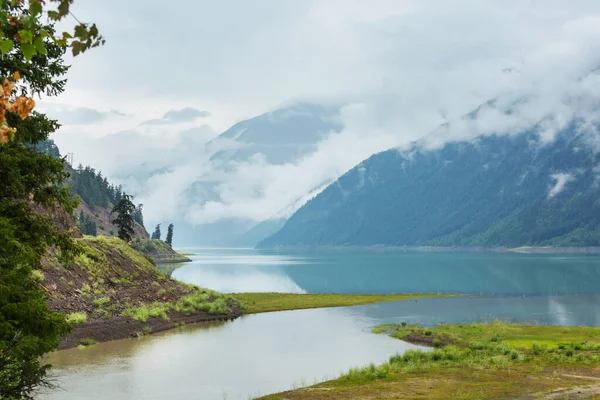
(560, 181)
(82, 115)
(402, 77)
(187, 114)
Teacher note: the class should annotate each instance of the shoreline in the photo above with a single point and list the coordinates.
(119, 327)
(445, 249)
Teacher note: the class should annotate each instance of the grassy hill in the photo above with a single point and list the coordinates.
(159, 251)
(112, 292)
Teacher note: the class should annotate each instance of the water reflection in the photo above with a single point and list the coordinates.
(384, 272)
(564, 310)
(254, 355)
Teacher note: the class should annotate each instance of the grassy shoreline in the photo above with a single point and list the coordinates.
(268, 302)
(475, 361)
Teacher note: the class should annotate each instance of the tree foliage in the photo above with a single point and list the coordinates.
(169, 238)
(124, 219)
(156, 234)
(32, 188)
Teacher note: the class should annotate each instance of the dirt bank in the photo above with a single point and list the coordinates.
(113, 292)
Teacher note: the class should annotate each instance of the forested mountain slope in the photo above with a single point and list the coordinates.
(494, 191)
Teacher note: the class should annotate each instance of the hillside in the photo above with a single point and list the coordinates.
(159, 251)
(496, 191)
(113, 292)
(97, 197)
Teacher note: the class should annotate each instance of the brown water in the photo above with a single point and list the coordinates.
(253, 355)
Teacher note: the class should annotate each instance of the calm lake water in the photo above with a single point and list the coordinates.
(266, 353)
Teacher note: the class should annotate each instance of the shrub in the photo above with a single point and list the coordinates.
(569, 353)
(514, 355)
(428, 333)
(102, 301)
(87, 342)
(436, 342)
(37, 275)
(76, 318)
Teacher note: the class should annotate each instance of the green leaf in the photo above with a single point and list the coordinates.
(39, 45)
(6, 46)
(77, 47)
(53, 15)
(28, 50)
(35, 8)
(26, 36)
(63, 8)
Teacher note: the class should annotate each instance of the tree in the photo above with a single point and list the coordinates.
(138, 215)
(32, 185)
(124, 220)
(156, 233)
(169, 239)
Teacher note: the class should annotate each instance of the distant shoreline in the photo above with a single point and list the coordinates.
(447, 249)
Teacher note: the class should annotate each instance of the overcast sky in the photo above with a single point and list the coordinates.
(404, 67)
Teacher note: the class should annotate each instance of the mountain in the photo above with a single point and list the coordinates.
(260, 231)
(282, 136)
(494, 191)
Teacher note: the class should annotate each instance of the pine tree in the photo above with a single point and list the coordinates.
(124, 220)
(169, 238)
(156, 233)
(29, 180)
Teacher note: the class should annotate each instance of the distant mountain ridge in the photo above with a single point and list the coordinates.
(494, 191)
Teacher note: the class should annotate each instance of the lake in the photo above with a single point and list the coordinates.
(266, 353)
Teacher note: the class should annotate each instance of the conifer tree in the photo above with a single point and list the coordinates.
(156, 233)
(124, 220)
(169, 239)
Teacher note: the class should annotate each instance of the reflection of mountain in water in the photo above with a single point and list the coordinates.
(369, 272)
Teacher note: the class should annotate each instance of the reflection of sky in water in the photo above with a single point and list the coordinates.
(254, 355)
(230, 281)
(386, 271)
(566, 310)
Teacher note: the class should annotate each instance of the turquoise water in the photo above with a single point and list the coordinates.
(266, 353)
(247, 270)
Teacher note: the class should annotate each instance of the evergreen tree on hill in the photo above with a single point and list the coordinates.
(124, 220)
(156, 233)
(169, 239)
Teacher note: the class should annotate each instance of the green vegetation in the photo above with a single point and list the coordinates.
(32, 189)
(87, 342)
(479, 193)
(156, 234)
(124, 219)
(76, 318)
(37, 275)
(169, 238)
(473, 361)
(202, 300)
(158, 250)
(265, 302)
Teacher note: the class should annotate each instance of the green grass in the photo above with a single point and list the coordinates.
(266, 302)
(473, 361)
(76, 318)
(101, 301)
(37, 275)
(87, 342)
(202, 300)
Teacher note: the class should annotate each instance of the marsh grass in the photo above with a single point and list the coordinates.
(474, 361)
(266, 302)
